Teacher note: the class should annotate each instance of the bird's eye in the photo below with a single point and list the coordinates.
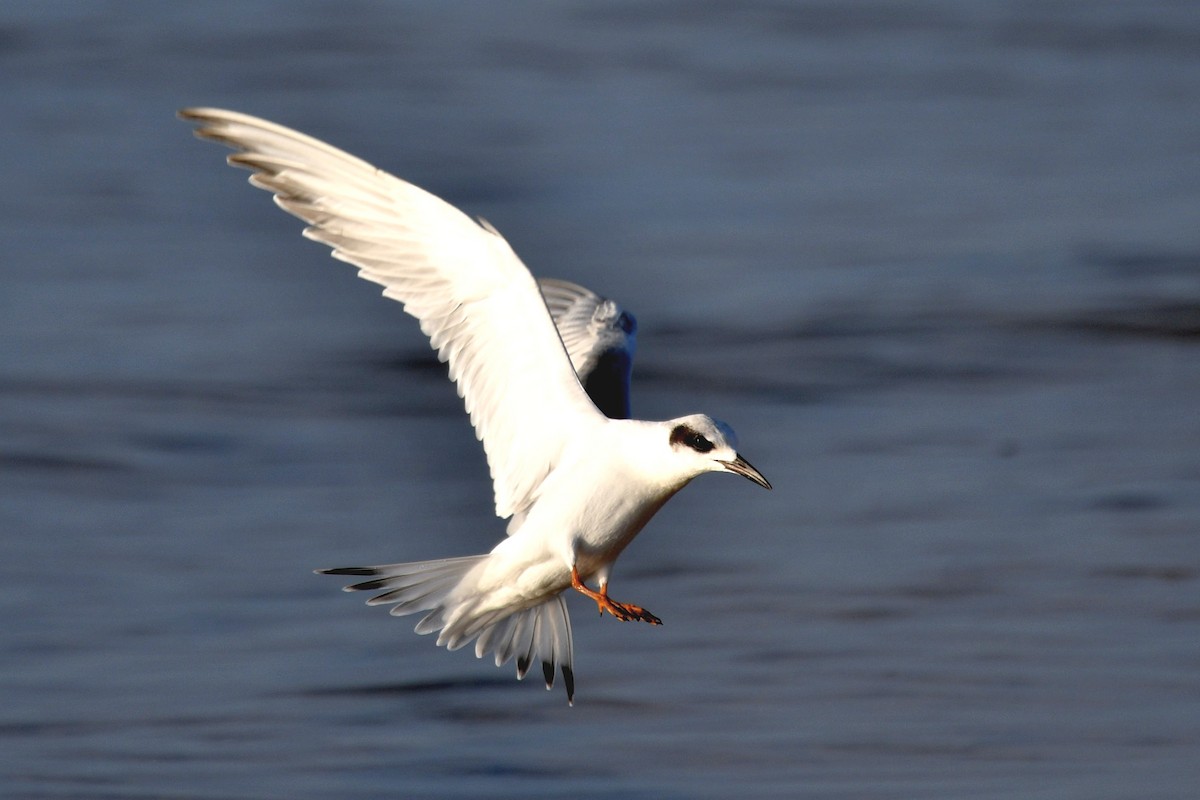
(687, 437)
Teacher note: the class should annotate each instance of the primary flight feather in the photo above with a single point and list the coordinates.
(577, 481)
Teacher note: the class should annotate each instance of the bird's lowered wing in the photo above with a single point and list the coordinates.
(600, 338)
(475, 300)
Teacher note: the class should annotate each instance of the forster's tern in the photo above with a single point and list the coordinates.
(577, 485)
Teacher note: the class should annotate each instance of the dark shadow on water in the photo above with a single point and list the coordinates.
(1130, 502)
(1164, 573)
(1179, 321)
(1139, 265)
(451, 685)
(47, 462)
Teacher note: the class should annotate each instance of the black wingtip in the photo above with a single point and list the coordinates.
(548, 674)
(569, 681)
(369, 586)
(522, 667)
(347, 571)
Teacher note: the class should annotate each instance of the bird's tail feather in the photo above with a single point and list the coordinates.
(442, 588)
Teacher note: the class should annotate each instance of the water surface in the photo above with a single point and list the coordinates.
(938, 263)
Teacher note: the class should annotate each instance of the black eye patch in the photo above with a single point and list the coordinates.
(688, 437)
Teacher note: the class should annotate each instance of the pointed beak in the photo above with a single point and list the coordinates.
(741, 466)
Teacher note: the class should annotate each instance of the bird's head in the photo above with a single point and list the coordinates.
(700, 444)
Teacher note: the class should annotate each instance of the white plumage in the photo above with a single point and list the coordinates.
(578, 485)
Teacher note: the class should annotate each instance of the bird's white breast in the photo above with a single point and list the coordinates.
(594, 502)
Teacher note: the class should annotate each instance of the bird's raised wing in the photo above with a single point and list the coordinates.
(475, 300)
(600, 337)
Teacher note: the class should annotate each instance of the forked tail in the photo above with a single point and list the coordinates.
(445, 589)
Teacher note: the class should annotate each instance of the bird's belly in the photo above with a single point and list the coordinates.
(586, 529)
(608, 528)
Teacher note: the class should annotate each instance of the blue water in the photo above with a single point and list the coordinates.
(938, 263)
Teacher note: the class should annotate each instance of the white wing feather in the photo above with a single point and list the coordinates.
(600, 337)
(590, 325)
(475, 300)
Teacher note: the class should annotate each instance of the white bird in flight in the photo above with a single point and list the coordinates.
(576, 485)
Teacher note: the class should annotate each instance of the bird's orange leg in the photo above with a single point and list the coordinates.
(625, 612)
